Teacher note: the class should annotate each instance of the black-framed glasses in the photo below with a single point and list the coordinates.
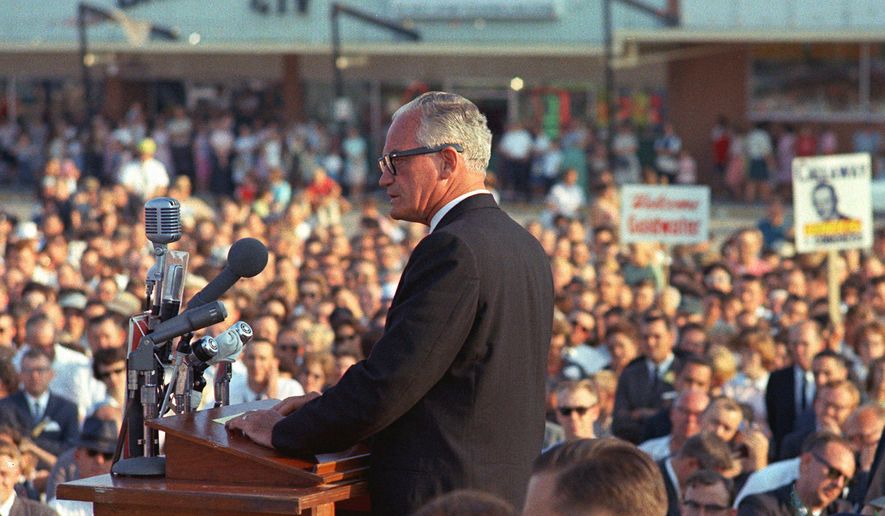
(385, 162)
(567, 411)
(707, 507)
(833, 473)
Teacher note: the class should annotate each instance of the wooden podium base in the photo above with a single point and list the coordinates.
(212, 471)
(152, 496)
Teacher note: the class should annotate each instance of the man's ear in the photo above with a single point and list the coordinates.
(450, 162)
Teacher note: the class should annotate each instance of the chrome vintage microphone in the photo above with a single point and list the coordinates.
(165, 281)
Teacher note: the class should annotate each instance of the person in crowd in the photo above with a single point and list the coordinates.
(833, 403)
(701, 451)
(145, 177)
(826, 466)
(10, 472)
(71, 377)
(625, 480)
(685, 419)
(643, 383)
(92, 456)
(707, 492)
(109, 367)
(577, 409)
(790, 390)
(262, 379)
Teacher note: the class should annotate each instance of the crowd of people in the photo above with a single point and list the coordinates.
(724, 367)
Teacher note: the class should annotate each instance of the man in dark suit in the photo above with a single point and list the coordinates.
(701, 451)
(645, 384)
(452, 395)
(826, 465)
(50, 421)
(790, 391)
(833, 403)
(10, 471)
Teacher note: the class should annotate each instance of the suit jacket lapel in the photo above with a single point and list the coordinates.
(473, 202)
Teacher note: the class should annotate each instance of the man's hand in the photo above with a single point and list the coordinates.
(256, 425)
(293, 403)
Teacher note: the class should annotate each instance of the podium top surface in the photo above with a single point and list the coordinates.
(199, 428)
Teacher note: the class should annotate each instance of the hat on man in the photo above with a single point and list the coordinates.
(26, 230)
(73, 299)
(98, 435)
(125, 304)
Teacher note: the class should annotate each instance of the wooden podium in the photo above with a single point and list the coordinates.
(212, 471)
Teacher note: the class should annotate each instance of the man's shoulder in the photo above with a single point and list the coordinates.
(24, 507)
(779, 496)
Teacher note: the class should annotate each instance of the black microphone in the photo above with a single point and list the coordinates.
(187, 322)
(246, 258)
(162, 220)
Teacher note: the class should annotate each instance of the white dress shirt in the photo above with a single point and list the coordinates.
(451, 204)
(6, 507)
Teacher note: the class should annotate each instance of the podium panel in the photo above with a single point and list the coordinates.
(212, 471)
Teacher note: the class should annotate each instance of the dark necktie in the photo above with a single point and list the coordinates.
(802, 393)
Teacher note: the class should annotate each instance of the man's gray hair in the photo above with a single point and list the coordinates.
(451, 118)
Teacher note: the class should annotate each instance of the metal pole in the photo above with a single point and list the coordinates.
(337, 77)
(86, 127)
(611, 108)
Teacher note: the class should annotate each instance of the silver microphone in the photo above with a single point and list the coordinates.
(231, 342)
(162, 220)
(224, 347)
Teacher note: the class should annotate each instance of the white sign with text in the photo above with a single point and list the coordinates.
(665, 213)
(832, 204)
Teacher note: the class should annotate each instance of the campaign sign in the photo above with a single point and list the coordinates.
(832, 204)
(665, 213)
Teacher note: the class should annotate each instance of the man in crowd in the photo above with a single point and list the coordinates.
(791, 390)
(702, 451)
(707, 492)
(48, 419)
(644, 382)
(624, 480)
(832, 405)
(826, 465)
(10, 472)
(577, 409)
(466, 334)
(685, 418)
(262, 380)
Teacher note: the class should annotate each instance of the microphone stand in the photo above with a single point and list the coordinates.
(222, 384)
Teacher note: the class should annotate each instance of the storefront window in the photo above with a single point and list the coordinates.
(806, 81)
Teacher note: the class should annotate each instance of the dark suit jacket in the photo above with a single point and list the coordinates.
(453, 394)
(770, 503)
(23, 507)
(673, 501)
(60, 425)
(806, 424)
(637, 390)
(780, 402)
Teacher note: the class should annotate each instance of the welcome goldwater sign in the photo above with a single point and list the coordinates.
(832, 203)
(666, 214)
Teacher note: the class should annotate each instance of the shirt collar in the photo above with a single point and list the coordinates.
(6, 507)
(451, 204)
(663, 366)
(43, 399)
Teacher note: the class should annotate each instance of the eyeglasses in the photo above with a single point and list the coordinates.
(385, 162)
(104, 375)
(833, 473)
(707, 507)
(567, 411)
(351, 336)
(106, 456)
(37, 370)
(288, 347)
(310, 294)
